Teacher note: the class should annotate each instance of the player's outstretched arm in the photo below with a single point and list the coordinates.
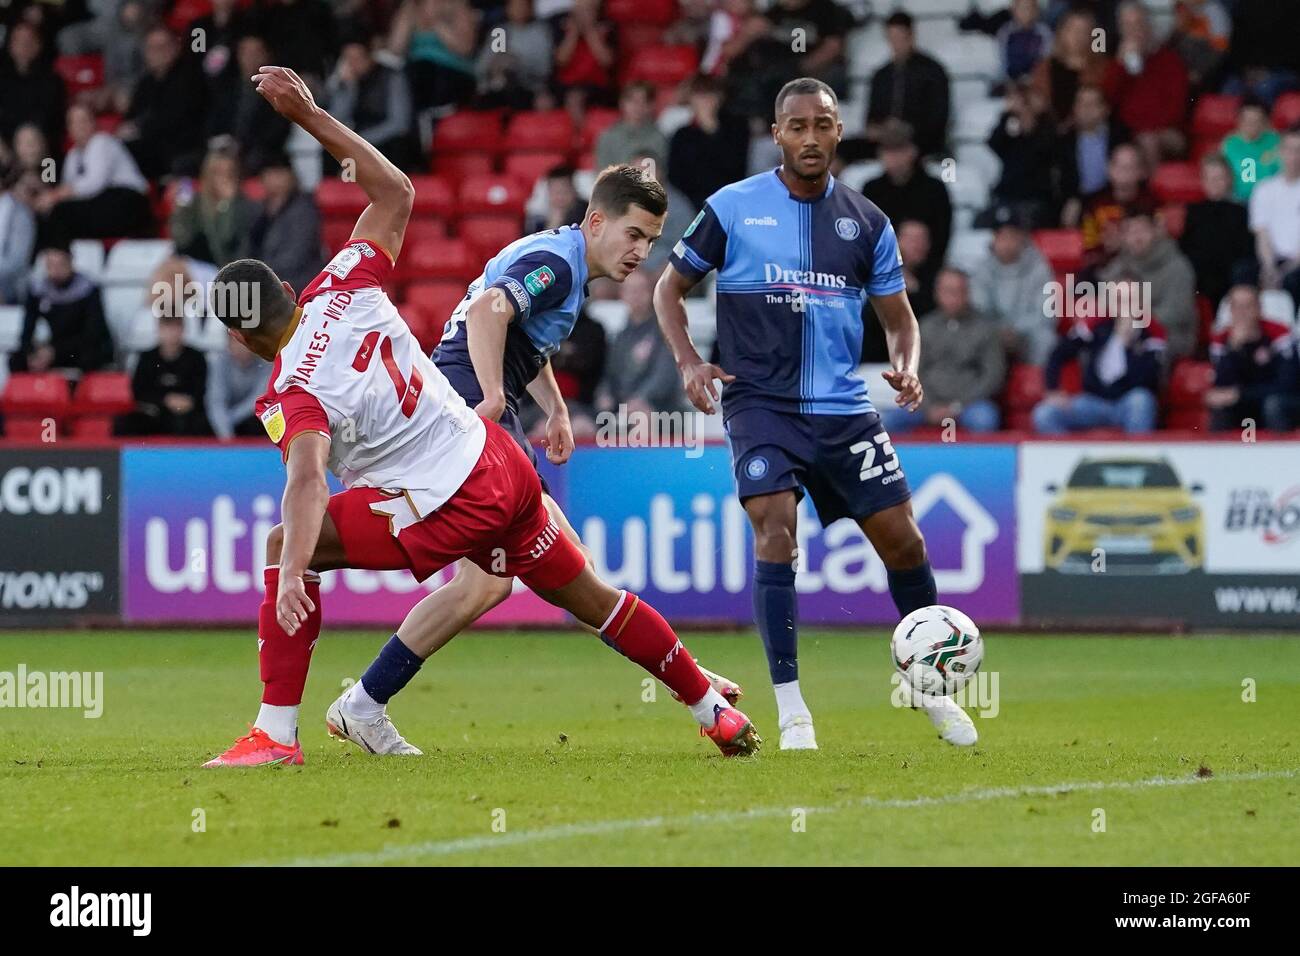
(389, 189)
(545, 391)
(302, 510)
(697, 374)
(903, 337)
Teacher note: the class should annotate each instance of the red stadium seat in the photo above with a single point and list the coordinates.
(434, 196)
(437, 297)
(1215, 116)
(339, 200)
(30, 400)
(1062, 248)
(426, 326)
(488, 234)
(1024, 388)
(468, 131)
(492, 194)
(185, 12)
(663, 65)
(455, 167)
(541, 131)
(596, 121)
(659, 12)
(100, 397)
(1188, 383)
(1177, 182)
(1174, 217)
(426, 227)
(1072, 378)
(335, 233)
(80, 72)
(1204, 324)
(637, 36)
(1286, 111)
(530, 167)
(451, 259)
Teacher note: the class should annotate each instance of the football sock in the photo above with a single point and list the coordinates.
(361, 704)
(390, 671)
(774, 613)
(789, 702)
(639, 633)
(279, 723)
(285, 658)
(705, 710)
(912, 588)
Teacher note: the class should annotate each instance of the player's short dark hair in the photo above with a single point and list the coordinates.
(623, 185)
(249, 285)
(803, 86)
(901, 18)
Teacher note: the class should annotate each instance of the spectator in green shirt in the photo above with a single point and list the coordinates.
(1252, 151)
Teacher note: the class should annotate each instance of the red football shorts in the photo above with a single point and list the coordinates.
(496, 519)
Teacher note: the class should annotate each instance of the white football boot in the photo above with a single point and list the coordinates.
(797, 733)
(953, 723)
(375, 736)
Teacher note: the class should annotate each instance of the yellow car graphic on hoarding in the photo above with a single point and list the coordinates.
(1126, 515)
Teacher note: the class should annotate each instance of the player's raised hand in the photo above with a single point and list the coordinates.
(292, 605)
(698, 380)
(559, 438)
(908, 387)
(285, 91)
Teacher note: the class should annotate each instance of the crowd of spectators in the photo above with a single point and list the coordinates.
(1099, 103)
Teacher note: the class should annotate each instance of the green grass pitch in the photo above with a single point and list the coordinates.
(541, 750)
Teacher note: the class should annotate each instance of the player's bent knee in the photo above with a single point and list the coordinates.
(908, 552)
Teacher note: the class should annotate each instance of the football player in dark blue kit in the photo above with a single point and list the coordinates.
(795, 253)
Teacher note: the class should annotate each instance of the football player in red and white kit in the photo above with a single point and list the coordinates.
(428, 481)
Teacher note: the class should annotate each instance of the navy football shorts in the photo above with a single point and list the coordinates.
(465, 382)
(845, 462)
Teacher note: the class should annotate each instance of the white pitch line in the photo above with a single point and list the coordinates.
(435, 848)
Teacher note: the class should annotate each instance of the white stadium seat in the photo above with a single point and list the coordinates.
(1275, 304)
(11, 328)
(856, 175)
(133, 261)
(978, 157)
(610, 313)
(702, 321)
(936, 8)
(976, 120)
(121, 303)
(969, 55)
(88, 258)
(968, 248)
(141, 332)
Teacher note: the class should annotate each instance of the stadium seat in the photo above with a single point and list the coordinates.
(657, 12)
(11, 327)
(1215, 116)
(638, 36)
(541, 131)
(1177, 182)
(335, 233)
(426, 227)
(1174, 217)
(451, 259)
(1062, 248)
(1072, 378)
(337, 199)
(29, 400)
(1286, 111)
(487, 234)
(434, 196)
(1023, 390)
(530, 167)
(492, 194)
(99, 398)
(88, 258)
(468, 131)
(424, 323)
(1185, 398)
(596, 121)
(80, 72)
(133, 261)
(438, 297)
(662, 65)
(456, 167)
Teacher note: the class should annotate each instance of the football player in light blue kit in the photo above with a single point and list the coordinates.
(796, 253)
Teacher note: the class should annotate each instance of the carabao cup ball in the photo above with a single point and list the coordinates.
(937, 649)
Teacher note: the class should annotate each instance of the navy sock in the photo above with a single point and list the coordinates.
(913, 588)
(775, 614)
(390, 671)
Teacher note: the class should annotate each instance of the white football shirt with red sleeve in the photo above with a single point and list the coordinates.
(352, 370)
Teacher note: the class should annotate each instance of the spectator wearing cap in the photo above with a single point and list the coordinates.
(170, 385)
(286, 233)
(1275, 220)
(563, 204)
(708, 152)
(374, 100)
(1025, 140)
(1024, 40)
(30, 90)
(635, 133)
(102, 192)
(1121, 377)
(214, 225)
(962, 363)
(66, 307)
(1073, 63)
(512, 71)
(906, 191)
(1085, 146)
(1009, 286)
(1216, 236)
(911, 87)
(1147, 255)
(1253, 150)
(164, 121)
(1148, 86)
(236, 379)
(1101, 212)
(1248, 357)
